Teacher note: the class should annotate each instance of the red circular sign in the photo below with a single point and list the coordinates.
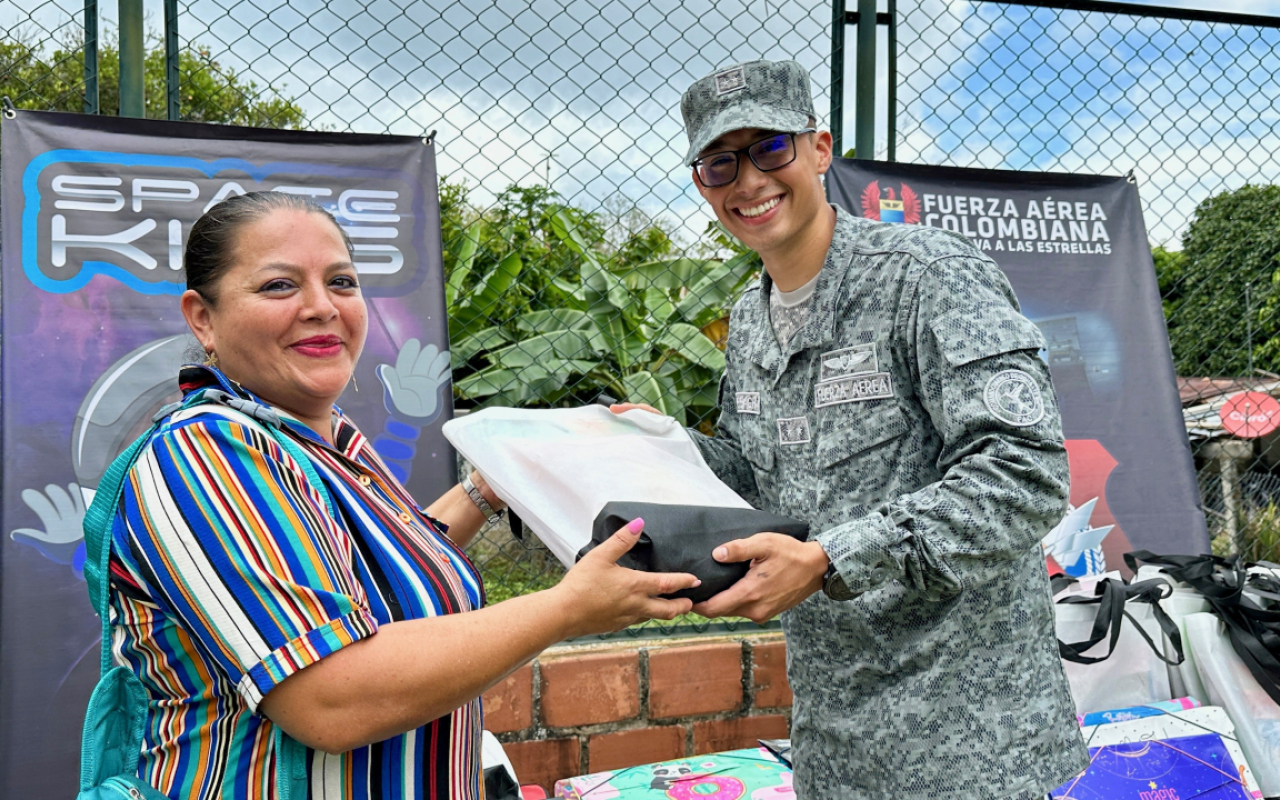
(1250, 414)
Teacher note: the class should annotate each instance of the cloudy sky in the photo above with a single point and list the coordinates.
(583, 94)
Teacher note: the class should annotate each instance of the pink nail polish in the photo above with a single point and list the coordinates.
(636, 525)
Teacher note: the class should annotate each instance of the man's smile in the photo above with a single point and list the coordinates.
(752, 212)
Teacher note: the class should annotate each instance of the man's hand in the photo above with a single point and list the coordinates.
(783, 573)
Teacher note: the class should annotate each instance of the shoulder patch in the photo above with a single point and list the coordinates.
(1013, 397)
(747, 402)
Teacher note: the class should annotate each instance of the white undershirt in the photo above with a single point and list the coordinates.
(789, 310)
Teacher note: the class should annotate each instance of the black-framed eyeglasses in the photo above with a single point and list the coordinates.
(772, 152)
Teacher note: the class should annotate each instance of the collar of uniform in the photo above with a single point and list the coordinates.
(820, 326)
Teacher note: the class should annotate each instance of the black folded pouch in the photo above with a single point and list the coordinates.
(679, 538)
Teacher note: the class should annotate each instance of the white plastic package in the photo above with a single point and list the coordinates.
(1184, 680)
(1230, 685)
(1133, 675)
(557, 468)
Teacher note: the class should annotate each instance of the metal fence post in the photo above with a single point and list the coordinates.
(864, 125)
(173, 99)
(837, 76)
(892, 81)
(132, 59)
(91, 56)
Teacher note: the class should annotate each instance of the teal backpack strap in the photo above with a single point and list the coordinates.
(304, 461)
(97, 532)
(111, 743)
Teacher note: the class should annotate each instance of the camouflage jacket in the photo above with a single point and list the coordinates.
(913, 425)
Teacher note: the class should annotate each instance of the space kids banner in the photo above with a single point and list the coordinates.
(1075, 249)
(95, 212)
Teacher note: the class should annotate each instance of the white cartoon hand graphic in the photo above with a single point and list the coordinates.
(62, 514)
(413, 385)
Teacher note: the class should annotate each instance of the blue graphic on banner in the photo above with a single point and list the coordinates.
(153, 199)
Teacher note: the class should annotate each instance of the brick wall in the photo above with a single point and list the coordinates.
(590, 708)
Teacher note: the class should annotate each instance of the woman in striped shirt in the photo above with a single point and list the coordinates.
(246, 599)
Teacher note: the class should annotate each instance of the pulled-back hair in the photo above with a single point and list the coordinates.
(212, 242)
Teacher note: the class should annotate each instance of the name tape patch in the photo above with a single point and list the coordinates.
(837, 364)
(793, 430)
(731, 80)
(747, 402)
(851, 390)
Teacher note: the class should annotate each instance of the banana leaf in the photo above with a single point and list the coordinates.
(668, 275)
(715, 293)
(493, 380)
(560, 344)
(644, 387)
(476, 309)
(463, 259)
(486, 339)
(690, 342)
(537, 322)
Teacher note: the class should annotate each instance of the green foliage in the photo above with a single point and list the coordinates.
(506, 577)
(1169, 272)
(547, 309)
(1260, 534)
(54, 81)
(1222, 292)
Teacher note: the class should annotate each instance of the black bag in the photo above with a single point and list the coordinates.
(679, 538)
(1254, 630)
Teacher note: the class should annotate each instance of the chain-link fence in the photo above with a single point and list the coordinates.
(560, 142)
(1189, 103)
(42, 57)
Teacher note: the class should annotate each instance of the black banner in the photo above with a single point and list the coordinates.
(94, 213)
(1075, 249)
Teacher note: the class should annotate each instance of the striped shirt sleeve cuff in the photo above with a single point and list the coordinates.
(304, 651)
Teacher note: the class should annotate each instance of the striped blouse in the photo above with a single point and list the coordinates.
(230, 574)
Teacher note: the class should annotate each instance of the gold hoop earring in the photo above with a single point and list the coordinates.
(211, 359)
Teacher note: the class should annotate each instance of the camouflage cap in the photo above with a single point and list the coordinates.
(773, 95)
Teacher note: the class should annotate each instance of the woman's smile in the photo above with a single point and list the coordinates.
(318, 346)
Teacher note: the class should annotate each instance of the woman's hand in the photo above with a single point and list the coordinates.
(600, 597)
(622, 408)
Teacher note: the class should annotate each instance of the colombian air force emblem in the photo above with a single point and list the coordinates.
(889, 204)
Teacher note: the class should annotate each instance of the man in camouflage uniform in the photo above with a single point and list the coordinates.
(881, 385)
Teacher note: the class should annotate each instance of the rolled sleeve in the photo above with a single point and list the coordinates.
(1003, 464)
(241, 548)
(862, 552)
